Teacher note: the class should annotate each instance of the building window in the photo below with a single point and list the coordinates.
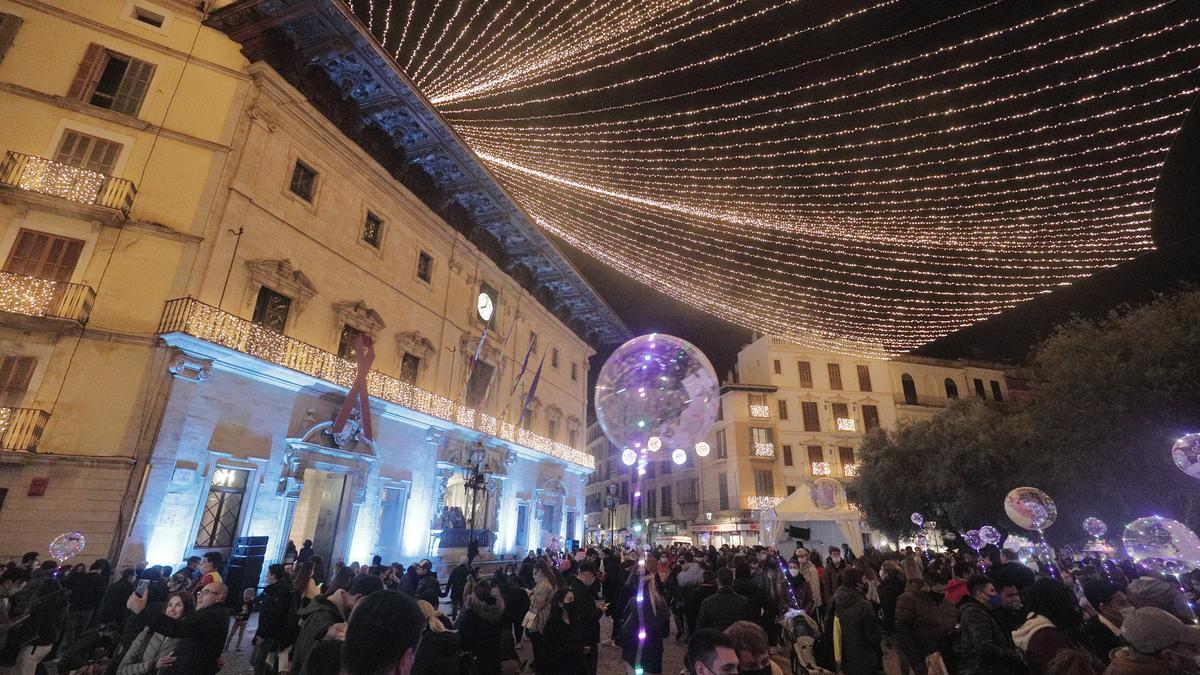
(651, 503)
(722, 450)
(574, 372)
(552, 429)
(147, 17)
(846, 456)
(787, 455)
(346, 342)
(218, 524)
(425, 267)
(842, 421)
(910, 389)
(723, 492)
(110, 80)
(271, 309)
(951, 388)
(533, 342)
(782, 409)
(811, 415)
(9, 23)
(88, 152)
(304, 181)
(805, 374)
(979, 391)
(554, 357)
(864, 378)
(625, 492)
(835, 376)
(689, 491)
(410, 366)
(791, 489)
(758, 406)
(762, 440)
(15, 374)
(666, 468)
(45, 256)
(372, 231)
(477, 386)
(665, 492)
(572, 436)
(870, 417)
(720, 410)
(996, 395)
(778, 367)
(764, 484)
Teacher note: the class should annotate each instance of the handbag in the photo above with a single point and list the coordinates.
(529, 621)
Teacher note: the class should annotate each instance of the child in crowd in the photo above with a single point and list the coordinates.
(241, 618)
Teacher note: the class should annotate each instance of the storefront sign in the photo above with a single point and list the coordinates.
(726, 527)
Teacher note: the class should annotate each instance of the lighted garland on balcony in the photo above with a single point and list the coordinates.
(26, 295)
(213, 325)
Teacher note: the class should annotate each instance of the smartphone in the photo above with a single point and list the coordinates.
(141, 587)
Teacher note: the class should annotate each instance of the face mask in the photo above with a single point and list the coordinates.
(794, 571)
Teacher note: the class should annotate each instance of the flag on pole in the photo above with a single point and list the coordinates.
(517, 379)
(474, 360)
(537, 377)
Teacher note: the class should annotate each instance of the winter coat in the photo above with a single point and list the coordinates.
(911, 566)
(86, 590)
(47, 614)
(813, 577)
(479, 627)
(862, 636)
(984, 647)
(562, 647)
(275, 605)
(112, 603)
(315, 619)
(1041, 641)
(516, 601)
(202, 639)
(657, 626)
(923, 621)
(437, 653)
(1102, 640)
(722, 609)
(457, 581)
(539, 603)
(696, 596)
(429, 585)
(749, 589)
(142, 655)
(1128, 662)
(833, 577)
(586, 613)
(890, 590)
(691, 575)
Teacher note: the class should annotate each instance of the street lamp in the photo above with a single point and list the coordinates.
(474, 479)
(611, 502)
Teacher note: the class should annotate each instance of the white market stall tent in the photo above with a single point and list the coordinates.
(833, 526)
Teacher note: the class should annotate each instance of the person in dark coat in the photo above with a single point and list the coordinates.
(112, 603)
(654, 619)
(455, 585)
(1103, 631)
(305, 553)
(480, 627)
(516, 603)
(562, 651)
(1012, 572)
(746, 586)
(614, 593)
(275, 605)
(589, 609)
(725, 607)
(862, 635)
(696, 596)
(202, 635)
(439, 645)
(923, 620)
(985, 647)
(37, 634)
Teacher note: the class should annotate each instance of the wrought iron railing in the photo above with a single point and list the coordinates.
(21, 428)
(47, 177)
(922, 400)
(195, 318)
(32, 296)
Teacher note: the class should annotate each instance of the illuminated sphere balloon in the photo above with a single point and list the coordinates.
(702, 449)
(917, 519)
(1094, 527)
(657, 386)
(679, 456)
(1186, 453)
(1030, 508)
(989, 535)
(66, 545)
(628, 456)
(1162, 541)
(973, 539)
(824, 493)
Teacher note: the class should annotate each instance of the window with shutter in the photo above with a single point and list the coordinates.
(15, 374)
(42, 255)
(271, 309)
(110, 80)
(811, 415)
(835, 376)
(787, 455)
(723, 492)
(870, 417)
(805, 374)
(816, 454)
(88, 152)
(846, 456)
(9, 23)
(783, 411)
(864, 378)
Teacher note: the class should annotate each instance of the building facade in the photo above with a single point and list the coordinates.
(205, 249)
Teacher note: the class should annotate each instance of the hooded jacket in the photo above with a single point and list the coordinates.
(923, 621)
(861, 633)
(1041, 641)
(479, 631)
(690, 575)
(1125, 661)
(315, 619)
(984, 647)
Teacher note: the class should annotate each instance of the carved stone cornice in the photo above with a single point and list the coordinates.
(282, 277)
(356, 314)
(554, 413)
(415, 343)
(468, 343)
(185, 366)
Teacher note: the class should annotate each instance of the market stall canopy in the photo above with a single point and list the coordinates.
(832, 526)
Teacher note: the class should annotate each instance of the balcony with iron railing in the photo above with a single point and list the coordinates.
(922, 400)
(207, 323)
(31, 296)
(21, 428)
(55, 179)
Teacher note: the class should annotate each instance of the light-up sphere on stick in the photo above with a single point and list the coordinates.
(1030, 508)
(824, 493)
(679, 456)
(1162, 541)
(702, 449)
(656, 386)
(973, 539)
(990, 535)
(917, 519)
(1094, 527)
(628, 456)
(1186, 453)
(66, 545)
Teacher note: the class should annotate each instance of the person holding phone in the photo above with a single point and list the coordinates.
(152, 651)
(202, 635)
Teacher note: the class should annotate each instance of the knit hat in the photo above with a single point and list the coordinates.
(1150, 630)
(1151, 592)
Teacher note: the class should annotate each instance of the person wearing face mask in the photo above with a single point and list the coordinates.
(861, 651)
(923, 620)
(835, 566)
(1054, 624)
(985, 647)
(750, 643)
(800, 587)
(1158, 643)
(1104, 630)
(562, 645)
(811, 576)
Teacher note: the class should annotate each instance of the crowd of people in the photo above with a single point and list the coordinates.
(739, 609)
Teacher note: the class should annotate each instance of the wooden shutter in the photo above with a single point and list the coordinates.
(88, 152)
(805, 374)
(835, 376)
(811, 415)
(846, 455)
(133, 87)
(15, 374)
(42, 255)
(9, 23)
(864, 378)
(88, 73)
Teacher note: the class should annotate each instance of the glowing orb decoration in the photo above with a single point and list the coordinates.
(990, 535)
(66, 545)
(824, 493)
(973, 539)
(679, 456)
(1030, 508)
(1186, 453)
(654, 444)
(1162, 541)
(628, 456)
(657, 386)
(702, 449)
(922, 541)
(1094, 527)
(917, 519)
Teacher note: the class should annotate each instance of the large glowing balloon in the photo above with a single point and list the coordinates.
(1094, 527)
(1186, 453)
(66, 545)
(990, 535)
(1159, 540)
(917, 519)
(657, 386)
(973, 539)
(1030, 508)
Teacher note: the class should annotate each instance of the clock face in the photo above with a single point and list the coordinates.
(485, 306)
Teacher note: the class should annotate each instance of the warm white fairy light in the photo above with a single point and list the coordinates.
(821, 469)
(755, 503)
(760, 410)
(762, 449)
(26, 295)
(850, 470)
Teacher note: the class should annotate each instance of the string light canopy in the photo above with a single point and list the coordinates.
(861, 177)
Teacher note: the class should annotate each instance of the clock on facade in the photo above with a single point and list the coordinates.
(485, 306)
